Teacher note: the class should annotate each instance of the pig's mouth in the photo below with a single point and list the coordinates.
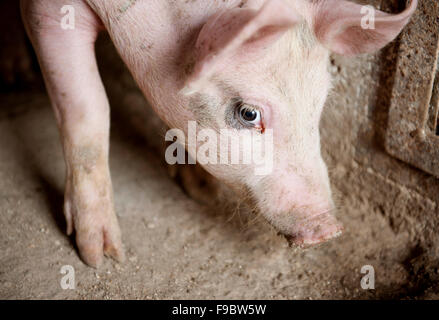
(304, 230)
(315, 231)
(298, 241)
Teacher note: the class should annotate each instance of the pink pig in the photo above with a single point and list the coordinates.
(233, 64)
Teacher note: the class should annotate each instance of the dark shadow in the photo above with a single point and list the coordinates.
(52, 195)
(422, 276)
(387, 66)
(19, 69)
(54, 199)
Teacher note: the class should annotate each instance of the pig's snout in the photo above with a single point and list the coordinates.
(310, 231)
(301, 209)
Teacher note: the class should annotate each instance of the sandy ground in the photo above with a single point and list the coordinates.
(175, 247)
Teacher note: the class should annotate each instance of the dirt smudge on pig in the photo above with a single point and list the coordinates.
(86, 157)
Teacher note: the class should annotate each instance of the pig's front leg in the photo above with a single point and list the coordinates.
(81, 107)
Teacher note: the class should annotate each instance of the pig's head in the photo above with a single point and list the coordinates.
(264, 66)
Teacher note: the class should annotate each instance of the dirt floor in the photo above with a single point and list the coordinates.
(175, 247)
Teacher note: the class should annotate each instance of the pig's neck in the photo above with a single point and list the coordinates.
(155, 39)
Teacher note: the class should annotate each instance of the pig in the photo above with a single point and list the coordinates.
(236, 64)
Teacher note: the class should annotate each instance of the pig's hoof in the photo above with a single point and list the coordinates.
(93, 243)
(94, 240)
(97, 232)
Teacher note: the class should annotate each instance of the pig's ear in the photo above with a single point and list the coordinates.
(348, 28)
(235, 31)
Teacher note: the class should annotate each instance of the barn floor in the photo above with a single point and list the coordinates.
(175, 247)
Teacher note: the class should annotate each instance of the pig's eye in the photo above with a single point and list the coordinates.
(248, 115)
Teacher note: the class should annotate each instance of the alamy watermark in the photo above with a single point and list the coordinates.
(368, 280)
(68, 281)
(68, 19)
(368, 19)
(224, 146)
